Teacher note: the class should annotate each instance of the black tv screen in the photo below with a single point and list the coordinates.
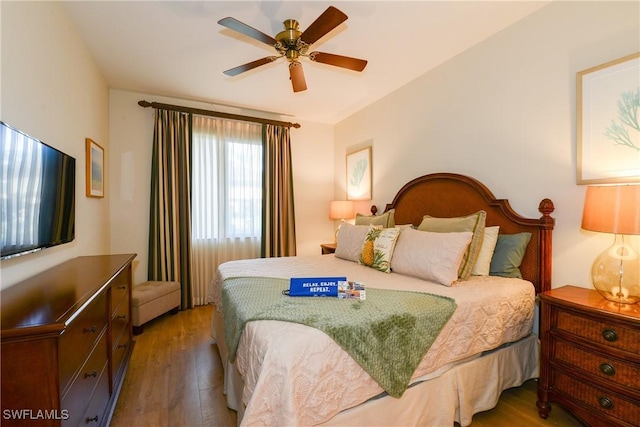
(37, 186)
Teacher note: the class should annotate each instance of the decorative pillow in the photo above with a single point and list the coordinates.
(349, 242)
(483, 262)
(378, 246)
(474, 223)
(431, 256)
(386, 220)
(508, 255)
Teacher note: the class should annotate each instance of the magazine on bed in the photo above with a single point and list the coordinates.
(352, 290)
(338, 287)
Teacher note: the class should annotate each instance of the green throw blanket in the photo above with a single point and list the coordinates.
(388, 334)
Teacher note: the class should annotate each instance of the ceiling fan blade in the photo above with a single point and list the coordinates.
(354, 64)
(297, 76)
(326, 22)
(250, 65)
(245, 29)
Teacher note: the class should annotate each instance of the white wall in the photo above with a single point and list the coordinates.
(131, 129)
(504, 113)
(53, 91)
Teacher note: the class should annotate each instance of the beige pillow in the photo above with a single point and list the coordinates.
(377, 248)
(431, 256)
(474, 223)
(483, 263)
(349, 242)
(386, 220)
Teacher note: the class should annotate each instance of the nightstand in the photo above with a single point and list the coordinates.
(590, 357)
(328, 248)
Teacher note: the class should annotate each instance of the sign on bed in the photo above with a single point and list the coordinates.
(325, 286)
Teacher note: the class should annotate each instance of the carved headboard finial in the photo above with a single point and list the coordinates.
(546, 207)
(374, 209)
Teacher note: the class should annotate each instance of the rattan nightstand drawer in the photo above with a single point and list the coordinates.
(617, 371)
(609, 334)
(601, 400)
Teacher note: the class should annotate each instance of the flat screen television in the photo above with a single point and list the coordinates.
(37, 187)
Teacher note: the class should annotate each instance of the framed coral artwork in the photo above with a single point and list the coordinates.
(608, 122)
(359, 175)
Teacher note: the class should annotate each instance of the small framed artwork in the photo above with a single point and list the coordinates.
(95, 169)
(608, 122)
(359, 175)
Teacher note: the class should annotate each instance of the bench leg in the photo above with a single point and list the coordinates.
(137, 330)
(175, 310)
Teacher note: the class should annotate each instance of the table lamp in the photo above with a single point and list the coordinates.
(615, 209)
(341, 209)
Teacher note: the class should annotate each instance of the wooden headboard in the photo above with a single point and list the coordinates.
(449, 195)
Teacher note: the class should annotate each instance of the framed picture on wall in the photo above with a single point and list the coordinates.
(359, 175)
(95, 169)
(608, 122)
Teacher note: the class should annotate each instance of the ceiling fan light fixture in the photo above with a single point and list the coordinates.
(293, 43)
(291, 34)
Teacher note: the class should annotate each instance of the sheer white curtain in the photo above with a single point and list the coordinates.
(226, 211)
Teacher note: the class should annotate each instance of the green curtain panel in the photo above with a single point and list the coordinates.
(278, 219)
(170, 211)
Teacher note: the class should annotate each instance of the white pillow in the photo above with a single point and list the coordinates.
(350, 238)
(431, 256)
(483, 263)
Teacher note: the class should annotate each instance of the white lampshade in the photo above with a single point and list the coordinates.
(615, 209)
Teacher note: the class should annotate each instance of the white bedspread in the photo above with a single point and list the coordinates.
(296, 375)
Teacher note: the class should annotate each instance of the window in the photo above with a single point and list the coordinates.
(227, 179)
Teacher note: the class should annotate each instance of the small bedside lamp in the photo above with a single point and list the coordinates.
(341, 209)
(615, 209)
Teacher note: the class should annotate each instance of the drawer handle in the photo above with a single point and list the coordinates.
(122, 287)
(92, 374)
(122, 345)
(610, 335)
(607, 369)
(122, 317)
(605, 402)
(90, 330)
(94, 419)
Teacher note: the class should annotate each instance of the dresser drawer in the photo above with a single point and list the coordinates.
(119, 291)
(76, 399)
(96, 411)
(120, 319)
(120, 349)
(80, 337)
(611, 335)
(598, 399)
(611, 369)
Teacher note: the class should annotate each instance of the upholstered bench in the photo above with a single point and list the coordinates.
(152, 299)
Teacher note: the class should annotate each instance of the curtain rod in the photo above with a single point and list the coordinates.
(210, 113)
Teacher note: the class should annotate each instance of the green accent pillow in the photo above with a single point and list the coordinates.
(508, 255)
(386, 220)
(474, 223)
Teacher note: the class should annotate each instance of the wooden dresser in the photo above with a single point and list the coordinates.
(66, 343)
(590, 360)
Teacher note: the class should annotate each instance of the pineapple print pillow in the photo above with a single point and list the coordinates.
(377, 248)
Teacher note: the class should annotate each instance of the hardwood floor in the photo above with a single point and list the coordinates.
(175, 379)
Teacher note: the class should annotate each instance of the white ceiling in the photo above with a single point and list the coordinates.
(177, 48)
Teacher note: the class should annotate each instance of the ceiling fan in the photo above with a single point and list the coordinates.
(293, 44)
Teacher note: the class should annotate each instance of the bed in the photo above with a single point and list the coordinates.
(287, 373)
